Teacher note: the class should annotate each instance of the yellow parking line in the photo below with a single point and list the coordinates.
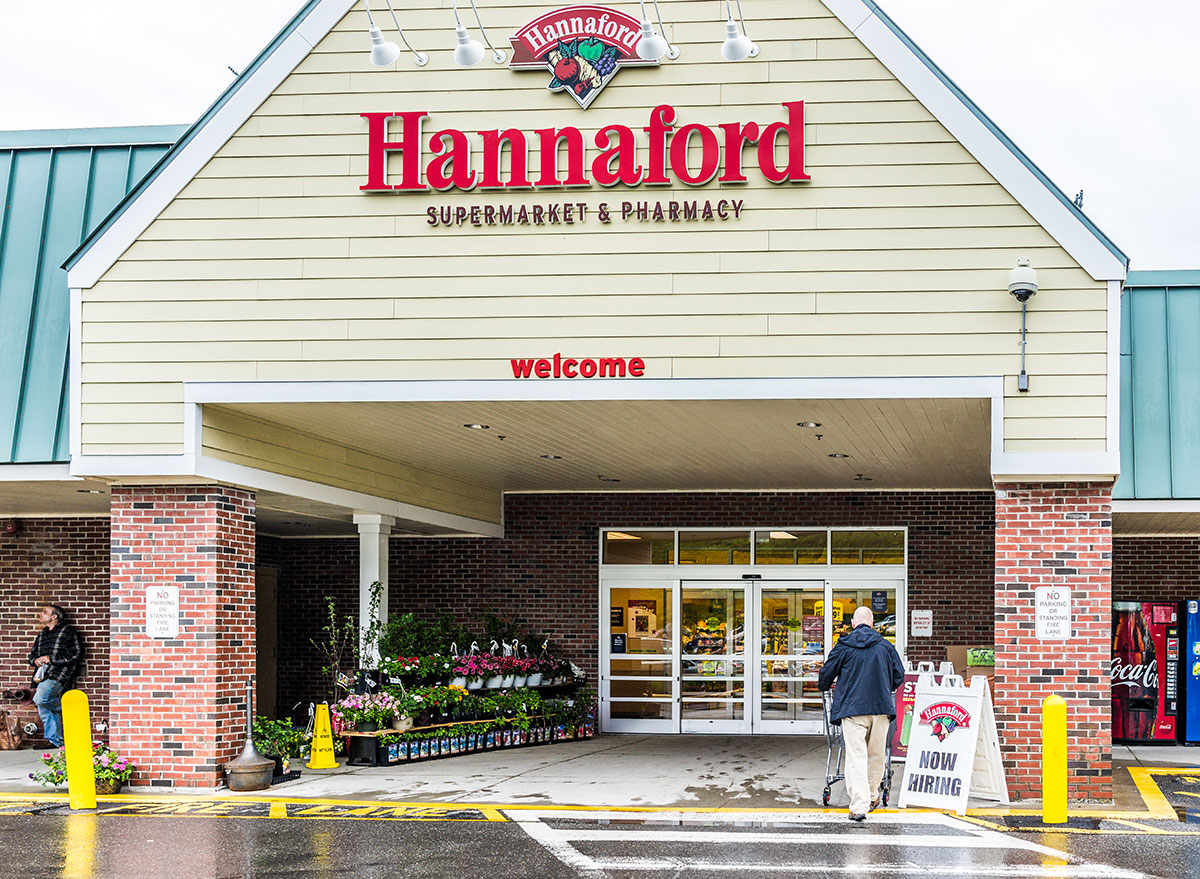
(1145, 828)
(1156, 803)
(278, 810)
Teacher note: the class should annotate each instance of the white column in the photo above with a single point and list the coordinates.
(373, 532)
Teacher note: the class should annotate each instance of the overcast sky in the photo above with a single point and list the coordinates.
(1102, 94)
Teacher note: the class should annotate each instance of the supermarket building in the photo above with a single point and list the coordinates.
(710, 341)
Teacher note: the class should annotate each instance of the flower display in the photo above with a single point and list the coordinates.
(110, 767)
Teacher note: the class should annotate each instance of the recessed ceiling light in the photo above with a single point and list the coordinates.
(808, 424)
(861, 478)
(607, 479)
(551, 457)
(837, 455)
(476, 426)
(90, 490)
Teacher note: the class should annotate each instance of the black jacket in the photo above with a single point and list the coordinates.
(868, 671)
(64, 648)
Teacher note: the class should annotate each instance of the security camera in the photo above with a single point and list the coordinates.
(1022, 281)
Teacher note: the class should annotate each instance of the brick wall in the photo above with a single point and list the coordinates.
(178, 706)
(1156, 568)
(545, 570)
(55, 561)
(1054, 535)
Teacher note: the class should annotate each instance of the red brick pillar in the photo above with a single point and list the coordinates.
(177, 704)
(1054, 534)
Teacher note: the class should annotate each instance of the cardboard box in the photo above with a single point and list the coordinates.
(957, 655)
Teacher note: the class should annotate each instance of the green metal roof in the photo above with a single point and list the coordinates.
(1160, 386)
(58, 186)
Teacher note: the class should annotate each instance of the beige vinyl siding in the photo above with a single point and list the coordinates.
(272, 266)
(233, 437)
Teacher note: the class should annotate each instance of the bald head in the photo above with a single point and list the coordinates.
(862, 617)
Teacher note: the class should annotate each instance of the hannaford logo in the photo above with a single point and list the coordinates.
(581, 46)
(945, 717)
(669, 151)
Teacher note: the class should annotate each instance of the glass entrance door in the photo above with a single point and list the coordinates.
(795, 629)
(713, 663)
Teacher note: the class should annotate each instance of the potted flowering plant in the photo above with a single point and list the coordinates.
(112, 770)
(349, 712)
(475, 670)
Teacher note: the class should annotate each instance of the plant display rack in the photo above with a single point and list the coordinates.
(375, 749)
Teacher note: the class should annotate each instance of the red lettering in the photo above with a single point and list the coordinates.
(542, 368)
(624, 153)
(612, 367)
(661, 118)
(550, 140)
(522, 368)
(736, 137)
(587, 367)
(710, 156)
(794, 129)
(518, 159)
(558, 366)
(409, 145)
(637, 366)
(455, 153)
(568, 367)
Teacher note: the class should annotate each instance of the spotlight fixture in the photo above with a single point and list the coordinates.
(837, 455)
(383, 52)
(551, 457)
(808, 424)
(737, 45)
(469, 52)
(1023, 285)
(652, 46)
(476, 427)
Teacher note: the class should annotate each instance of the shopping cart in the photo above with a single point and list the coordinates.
(833, 738)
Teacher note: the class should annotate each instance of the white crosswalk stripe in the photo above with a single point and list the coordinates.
(917, 844)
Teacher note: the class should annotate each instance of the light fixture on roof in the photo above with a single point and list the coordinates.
(551, 457)
(737, 45)
(384, 52)
(808, 424)
(474, 426)
(861, 478)
(837, 455)
(1023, 285)
(469, 52)
(652, 46)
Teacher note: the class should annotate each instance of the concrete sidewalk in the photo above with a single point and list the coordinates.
(611, 770)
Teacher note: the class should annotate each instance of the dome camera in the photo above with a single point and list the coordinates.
(1022, 281)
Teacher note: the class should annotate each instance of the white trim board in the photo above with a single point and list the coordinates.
(182, 469)
(36, 473)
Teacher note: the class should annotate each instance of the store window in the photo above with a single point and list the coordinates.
(639, 547)
(714, 547)
(790, 547)
(641, 644)
(868, 547)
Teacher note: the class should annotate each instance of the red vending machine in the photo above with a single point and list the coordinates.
(1144, 703)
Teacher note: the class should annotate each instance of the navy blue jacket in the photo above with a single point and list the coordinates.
(868, 671)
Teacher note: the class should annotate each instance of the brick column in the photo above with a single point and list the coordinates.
(1054, 534)
(177, 705)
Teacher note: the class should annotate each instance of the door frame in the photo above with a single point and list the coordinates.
(754, 578)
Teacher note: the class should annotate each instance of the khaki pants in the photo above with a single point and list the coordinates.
(866, 745)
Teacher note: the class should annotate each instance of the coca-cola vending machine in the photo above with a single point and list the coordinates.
(1144, 702)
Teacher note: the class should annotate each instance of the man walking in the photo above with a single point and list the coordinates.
(868, 670)
(55, 657)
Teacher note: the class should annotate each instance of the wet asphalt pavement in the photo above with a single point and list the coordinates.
(302, 841)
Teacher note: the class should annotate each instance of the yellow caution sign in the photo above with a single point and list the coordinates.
(77, 734)
(321, 754)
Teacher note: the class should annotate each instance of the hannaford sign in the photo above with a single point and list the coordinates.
(583, 47)
(586, 367)
(450, 164)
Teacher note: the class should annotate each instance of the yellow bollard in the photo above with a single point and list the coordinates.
(77, 735)
(1054, 760)
(320, 756)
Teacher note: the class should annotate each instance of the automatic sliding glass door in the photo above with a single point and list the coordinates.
(713, 663)
(795, 628)
(638, 674)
